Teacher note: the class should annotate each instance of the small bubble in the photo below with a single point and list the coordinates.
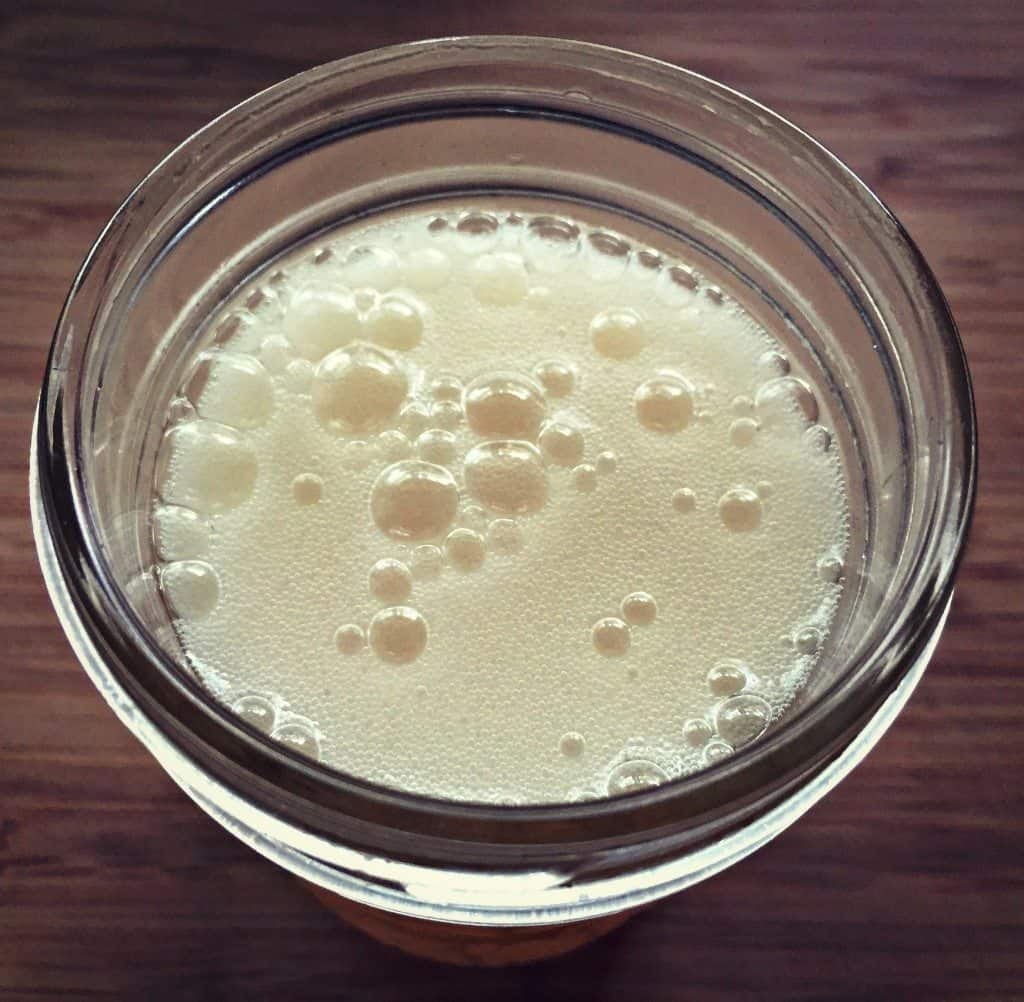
(256, 711)
(557, 378)
(676, 286)
(504, 536)
(561, 443)
(349, 639)
(275, 353)
(507, 477)
(427, 269)
(607, 255)
(818, 438)
(298, 737)
(584, 478)
(180, 533)
(607, 462)
(414, 500)
(365, 299)
(392, 445)
(465, 549)
(499, 279)
(715, 751)
(638, 609)
(446, 414)
(740, 510)
(742, 406)
(807, 640)
(742, 719)
(307, 489)
(437, 446)
(764, 489)
(191, 587)
(664, 403)
(322, 256)
(398, 635)
(414, 419)
(438, 226)
(357, 455)
(205, 466)
(318, 323)
(395, 323)
(697, 732)
(180, 410)
(611, 637)
(426, 562)
(376, 267)
(684, 500)
(727, 677)
(472, 516)
(572, 744)
(477, 231)
(830, 569)
(714, 295)
(773, 363)
(357, 387)
(649, 262)
(742, 432)
(618, 333)
(505, 404)
(551, 243)
(298, 375)
(779, 400)
(633, 776)
(390, 581)
(446, 387)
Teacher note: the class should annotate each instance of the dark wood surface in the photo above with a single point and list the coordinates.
(906, 883)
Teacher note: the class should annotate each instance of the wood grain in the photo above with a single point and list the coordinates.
(908, 882)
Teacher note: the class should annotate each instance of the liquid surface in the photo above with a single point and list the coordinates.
(497, 507)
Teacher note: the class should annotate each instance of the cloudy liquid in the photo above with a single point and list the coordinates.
(494, 506)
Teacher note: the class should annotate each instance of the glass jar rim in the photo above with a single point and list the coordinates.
(191, 716)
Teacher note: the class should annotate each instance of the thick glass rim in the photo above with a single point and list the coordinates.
(202, 728)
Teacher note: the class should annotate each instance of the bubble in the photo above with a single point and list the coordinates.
(446, 387)
(557, 378)
(180, 533)
(376, 267)
(357, 455)
(780, 398)
(664, 403)
(830, 569)
(505, 536)
(414, 500)
(191, 588)
(437, 446)
(742, 719)
(427, 269)
(740, 509)
(392, 445)
(618, 333)
(773, 363)
(205, 466)
(561, 443)
(256, 711)
(357, 387)
(551, 243)
(349, 639)
(676, 286)
(633, 776)
(584, 478)
(414, 419)
(727, 677)
(395, 323)
(499, 279)
(476, 232)
(742, 432)
(298, 737)
(684, 500)
(180, 410)
(390, 581)
(697, 732)
(275, 353)
(638, 608)
(318, 323)
(446, 414)
(607, 462)
(505, 404)
(607, 255)
(298, 375)
(764, 489)
(715, 751)
(572, 744)
(398, 635)
(307, 488)
(438, 226)
(472, 516)
(507, 476)
(818, 438)
(365, 299)
(714, 295)
(742, 406)
(807, 640)
(465, 549)
(648, 262)
(611, 637)
(426, 562)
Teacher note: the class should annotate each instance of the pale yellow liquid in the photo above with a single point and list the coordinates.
(497, 511)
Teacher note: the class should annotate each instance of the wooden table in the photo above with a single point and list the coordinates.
(906, 883)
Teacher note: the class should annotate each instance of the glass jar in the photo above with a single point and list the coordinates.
(824, 265)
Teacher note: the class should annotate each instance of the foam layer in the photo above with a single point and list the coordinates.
(497, 508)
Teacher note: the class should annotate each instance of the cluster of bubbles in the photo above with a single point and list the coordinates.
(270, 715)
(612, 635)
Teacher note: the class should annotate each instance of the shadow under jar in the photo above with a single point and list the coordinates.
(671, 158)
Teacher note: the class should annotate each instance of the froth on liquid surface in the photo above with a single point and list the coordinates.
(497, 507)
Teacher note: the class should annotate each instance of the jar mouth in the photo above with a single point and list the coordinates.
(323, 799)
